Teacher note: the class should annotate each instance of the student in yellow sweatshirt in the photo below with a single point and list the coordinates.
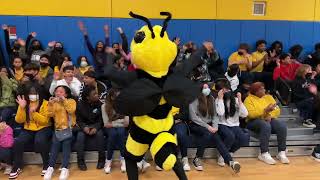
(262, 114)
(32, 113)
(62, 109)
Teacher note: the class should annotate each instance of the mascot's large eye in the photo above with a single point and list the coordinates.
(139, 37)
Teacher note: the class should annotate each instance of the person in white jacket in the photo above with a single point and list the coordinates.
(229, 109)
(68, 80)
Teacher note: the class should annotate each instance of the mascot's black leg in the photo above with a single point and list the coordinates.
(132, 169)
(178, 169)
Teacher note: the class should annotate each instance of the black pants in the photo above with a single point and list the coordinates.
(80, 143)
(6, 155)
(41, 140)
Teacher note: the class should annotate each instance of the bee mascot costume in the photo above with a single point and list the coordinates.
(152, 95)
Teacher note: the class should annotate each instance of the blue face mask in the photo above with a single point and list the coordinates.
(206, 91)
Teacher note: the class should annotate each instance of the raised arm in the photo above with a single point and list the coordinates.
(83, 29)
(124, 39)
(6, 39)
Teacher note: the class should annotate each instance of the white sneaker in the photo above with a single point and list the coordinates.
(48, 174)
(282, 157)
(64, 174)
(185, 163)
(220, 161)
(266, 157)
(235, 166)
(159, 168)
(197, 164)
(123, 166)
(139, 165)
(145, 166)
(107, 166)
(7, 170)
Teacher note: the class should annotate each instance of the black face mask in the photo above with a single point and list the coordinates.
(30, 76)
(59, 49)
(44, 64)
(36, 47)
(240, 53)
(16, 46)
(308, 75)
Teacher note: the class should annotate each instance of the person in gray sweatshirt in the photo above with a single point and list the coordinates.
(205, 126)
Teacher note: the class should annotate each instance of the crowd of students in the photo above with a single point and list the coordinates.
(59, 103)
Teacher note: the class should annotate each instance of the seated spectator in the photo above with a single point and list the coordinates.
(185, 52)
(304, 92)
(205, 126)
(68, 80)
(56, 53)
(89, 79)
(273, 56)
(62, 109)
(263, 111)
(33, 114)
(8, 88)
(242, 58)
(46, 72)
(18, 49)
(6, 143)
(229, 109)
(286, 69)
(182, 129)
(295, 52)
(232, 76)
(83, 65)
(215, 65)
(115, 125)
(89, 119)
(17, 68)
(259, 56)
(34, 48)
(314, 59)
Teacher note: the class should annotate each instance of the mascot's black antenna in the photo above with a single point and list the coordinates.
(136, 16)
(165, 22)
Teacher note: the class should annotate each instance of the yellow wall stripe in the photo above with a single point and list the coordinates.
(295, 10)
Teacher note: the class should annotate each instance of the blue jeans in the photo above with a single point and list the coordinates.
(183, 139)
(233, 137)
(6, 114)
(6, 155)
(264, 130)
(204, 136)
(41, 141)
(55, 149)
(116, 139)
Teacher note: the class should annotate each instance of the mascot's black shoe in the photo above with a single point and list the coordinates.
(82, 165)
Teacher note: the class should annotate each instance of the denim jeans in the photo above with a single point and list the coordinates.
(55, 149)
(306, 108)
(81, 139)
(233, 137)
(116, 139)
(264, 130)
(41, 141)
(183, 138)
(6, 155)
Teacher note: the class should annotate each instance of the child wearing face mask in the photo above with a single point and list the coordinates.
(6, 143)
(33, 114)
(229, 109)
(83, 67)
(62, 109)
(205, 126)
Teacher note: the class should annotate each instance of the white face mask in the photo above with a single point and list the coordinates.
(206, 91)
(33, 97)
(83, 64)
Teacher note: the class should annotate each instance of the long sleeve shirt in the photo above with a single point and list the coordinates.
(8, 87)
(286, 72)
(115, 123)
(74, 86)
(241, 111)
(197, 118)
(62, 113)
(89, 115)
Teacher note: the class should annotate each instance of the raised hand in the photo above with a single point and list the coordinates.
(52, 43)
(21, 101)
(239, 96)
(273, 53)
(106, 28)
(177, 41)
(119, 29)
(33, 34)
(82, 27)
(221, 94)
(4, 26)
(21, 42)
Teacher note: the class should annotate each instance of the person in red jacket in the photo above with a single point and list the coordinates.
(286, 69)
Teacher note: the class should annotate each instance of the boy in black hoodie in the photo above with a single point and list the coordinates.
(89, 119)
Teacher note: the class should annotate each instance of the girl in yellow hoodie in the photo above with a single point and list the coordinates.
(62, 109)
(262, 119)
(33, 114)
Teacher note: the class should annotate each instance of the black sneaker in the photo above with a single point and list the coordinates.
(235, 166)
(197, 164)
(308, 123)
(100, 164)
(15, 173)
(82, 165)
